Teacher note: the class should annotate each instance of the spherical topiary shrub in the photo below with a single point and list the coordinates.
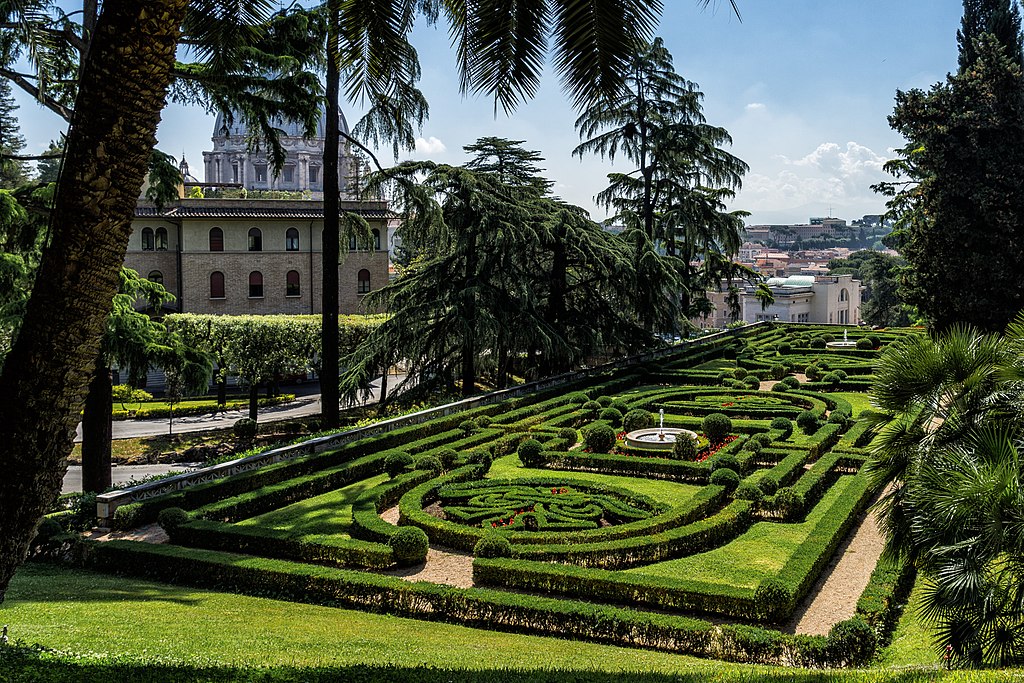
(480, 456)
(397, 462)
(823, 364)
(864, 344)
(684, 448)
(409, 545)
(842, 374)
(751, 492)
(429, 463)
(777, 371)
(50, 528)
(763, 438)
(739, 373)
(791, 382)
(599, 438)
(837, 417)
(780, 388)
(772, 600)
(817, 343)
(468, 426)
(716, 427)
(245, 428)
(569, 435)
(605, 401)
(852, 642)
(722, 376)
(813, 372)
(638, 418)
(752, 382)
(767, 485)
(484, 421)
(492, 545)
(578, 398)
(784, 425)
(807, 421)
(785, 347)
(725, 477)
(828, 338)
(611, 415)
(170, 519)
(753, 446)
(876, 341)
(447, 456)
(724, 461)
(591, 408)
(529, 452)
(832, 379)
(620, 406)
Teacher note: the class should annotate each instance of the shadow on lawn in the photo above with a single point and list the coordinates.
(21, 665)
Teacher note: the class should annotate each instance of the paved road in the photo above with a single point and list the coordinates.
(120, 474)
(303, 406)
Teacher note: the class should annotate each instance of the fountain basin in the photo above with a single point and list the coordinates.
(657, 439)
(841, 345)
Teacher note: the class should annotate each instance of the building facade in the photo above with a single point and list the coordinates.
(254, 257)
(808, 299)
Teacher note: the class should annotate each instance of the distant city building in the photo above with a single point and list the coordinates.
(798, 298)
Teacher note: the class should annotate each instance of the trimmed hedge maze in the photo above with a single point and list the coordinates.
(573, 533)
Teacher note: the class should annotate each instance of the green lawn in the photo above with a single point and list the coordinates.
(912, 641)
(330, 513)
(717, 364)
(117, 629)
(669, 492)
(756, 555)
(860, 401)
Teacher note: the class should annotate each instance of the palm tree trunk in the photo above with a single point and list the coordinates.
(44, 379)
(97, 429)
(329, 392)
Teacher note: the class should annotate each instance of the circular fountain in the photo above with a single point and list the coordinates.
(845, 344)
(658, 438)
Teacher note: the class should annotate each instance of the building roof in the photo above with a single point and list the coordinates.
(288, 128)
(241, 209)
(792, 281)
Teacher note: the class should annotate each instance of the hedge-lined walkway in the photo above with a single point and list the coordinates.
(834, 597)
(443, 565)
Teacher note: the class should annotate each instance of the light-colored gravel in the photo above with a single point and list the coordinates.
(443, 565)
(150, 533)
(834, 597)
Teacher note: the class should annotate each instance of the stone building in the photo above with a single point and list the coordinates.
(257, 256)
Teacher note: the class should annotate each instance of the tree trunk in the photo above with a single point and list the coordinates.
(97, 427)
(254, 401)
(222, 389)
(383, 389)
(469, 318)
(109, 144)
(329, 393)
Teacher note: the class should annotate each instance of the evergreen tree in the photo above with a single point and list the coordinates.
(48, 168)
(959, 202)
(12, 171)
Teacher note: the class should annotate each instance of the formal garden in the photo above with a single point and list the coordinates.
(534, 515)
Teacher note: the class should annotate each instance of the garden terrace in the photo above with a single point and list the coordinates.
(542, 490)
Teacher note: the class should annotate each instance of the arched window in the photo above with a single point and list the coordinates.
(291, 287)
(156, 277)
(376, 239)
(255, 285)
(147, 239)
(844, 295)
(217, 285)
(255, 239)
(161, 239)
(291, 240)
(216, 239)
(352, 242)
(364, 282)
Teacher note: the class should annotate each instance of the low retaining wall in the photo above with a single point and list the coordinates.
(107, 503)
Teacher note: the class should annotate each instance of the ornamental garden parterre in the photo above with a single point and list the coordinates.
(709, 548)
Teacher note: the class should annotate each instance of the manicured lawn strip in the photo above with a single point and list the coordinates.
(758, 554)
(858, 400)
(330, 513)
(912, 641)
(497, 610)
(882, 602)
(668, 492)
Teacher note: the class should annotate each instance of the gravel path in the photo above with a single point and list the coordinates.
(834, 596)
(443, 565)
(150, 533)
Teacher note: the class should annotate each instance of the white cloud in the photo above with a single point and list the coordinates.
(429, 145)
(756, 106)
(831, 176)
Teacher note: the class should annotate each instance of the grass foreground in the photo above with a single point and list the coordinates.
(94, 627)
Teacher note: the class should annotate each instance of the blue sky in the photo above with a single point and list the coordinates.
(803, 86)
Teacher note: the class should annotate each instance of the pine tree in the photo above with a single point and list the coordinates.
(12, 171)
(1001, 18)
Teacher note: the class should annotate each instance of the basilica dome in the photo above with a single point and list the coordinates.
(288, 127)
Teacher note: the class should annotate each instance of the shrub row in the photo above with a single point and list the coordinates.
(267, 542)
(882, 601)
(496, 610)
(623, 465)
(366, 521)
